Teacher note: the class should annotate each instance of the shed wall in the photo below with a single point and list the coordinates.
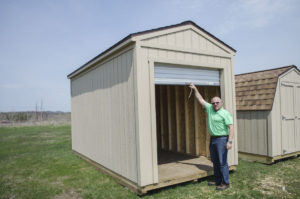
(276, 113)
(293, 76)
(184, 47)
(275, 120)
(253, 132)
(103, 115)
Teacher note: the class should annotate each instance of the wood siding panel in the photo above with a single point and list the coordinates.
(102, 98)
(188, 39)
(293, 76)
(242, 136)
(275, 116)
(252, 128)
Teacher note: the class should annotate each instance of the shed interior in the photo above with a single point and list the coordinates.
(182, 134)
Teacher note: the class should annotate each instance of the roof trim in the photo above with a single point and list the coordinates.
(290, 66)
(182, 24)
(130, 36)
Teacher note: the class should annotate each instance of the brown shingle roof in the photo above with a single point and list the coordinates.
(256, 90)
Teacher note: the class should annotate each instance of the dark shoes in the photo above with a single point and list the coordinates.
(222, 187)
(212, 183)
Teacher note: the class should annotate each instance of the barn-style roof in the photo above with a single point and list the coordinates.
(256, 90)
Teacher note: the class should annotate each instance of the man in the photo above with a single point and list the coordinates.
(220, 125)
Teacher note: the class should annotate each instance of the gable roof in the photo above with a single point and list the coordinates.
(132, 35)
(256, 90)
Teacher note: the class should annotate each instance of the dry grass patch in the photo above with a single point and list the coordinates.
(70, 194)
(270, 185)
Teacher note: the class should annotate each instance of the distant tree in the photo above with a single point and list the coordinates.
(36, 111)
(7, 116)
(39, 112)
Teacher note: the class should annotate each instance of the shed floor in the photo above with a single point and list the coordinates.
(174, 168)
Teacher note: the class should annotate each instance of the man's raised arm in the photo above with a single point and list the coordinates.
(198, 95)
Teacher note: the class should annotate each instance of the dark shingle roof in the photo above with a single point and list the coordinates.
(256, 90)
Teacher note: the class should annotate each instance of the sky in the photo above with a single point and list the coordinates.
(42, 41)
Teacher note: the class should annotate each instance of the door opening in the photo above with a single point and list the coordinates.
(182, 135)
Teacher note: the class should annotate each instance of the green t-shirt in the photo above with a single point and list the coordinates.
(218, 121)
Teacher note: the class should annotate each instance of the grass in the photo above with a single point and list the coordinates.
(37, 162)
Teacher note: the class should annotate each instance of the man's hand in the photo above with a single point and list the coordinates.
(228, 146)
(198, 95)
(230, 139)
(192, 86)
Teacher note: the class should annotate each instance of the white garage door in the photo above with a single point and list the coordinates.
(179, 75)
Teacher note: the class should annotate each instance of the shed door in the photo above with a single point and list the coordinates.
(179, 75)
(290, 114)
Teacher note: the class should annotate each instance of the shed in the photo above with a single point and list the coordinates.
(131, 115)
(268, 114)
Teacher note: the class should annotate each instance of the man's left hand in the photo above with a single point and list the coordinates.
(228, 146)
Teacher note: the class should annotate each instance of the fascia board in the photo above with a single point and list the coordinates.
(99, 58)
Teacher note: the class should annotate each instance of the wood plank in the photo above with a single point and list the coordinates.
(206, 98)
(171, 118)
(180, 124)
(202, 127)
(164, 118)
(189, 121)
(198, 126)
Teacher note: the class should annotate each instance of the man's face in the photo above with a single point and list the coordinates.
(217, 103)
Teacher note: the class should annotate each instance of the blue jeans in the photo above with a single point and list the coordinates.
(218, 154)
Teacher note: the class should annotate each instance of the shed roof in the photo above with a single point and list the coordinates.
(256, 90)
(132, 35)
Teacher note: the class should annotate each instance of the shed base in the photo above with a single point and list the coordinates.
(265, 159)
(173, 169)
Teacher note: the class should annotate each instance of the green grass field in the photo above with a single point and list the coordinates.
(37, 162)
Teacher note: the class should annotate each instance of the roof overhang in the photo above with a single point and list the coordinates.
(124, 42)
(132, 38)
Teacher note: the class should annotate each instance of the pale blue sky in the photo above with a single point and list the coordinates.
(42, 41)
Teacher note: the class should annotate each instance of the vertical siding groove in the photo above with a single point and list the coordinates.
(100, 99)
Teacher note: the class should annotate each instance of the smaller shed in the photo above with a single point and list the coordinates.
(268, 114)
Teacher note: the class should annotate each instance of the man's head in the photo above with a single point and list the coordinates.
(216, 103)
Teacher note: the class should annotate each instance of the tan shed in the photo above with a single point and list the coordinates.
(268, 114)
(131, 115)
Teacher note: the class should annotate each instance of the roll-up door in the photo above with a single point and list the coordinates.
(179, 75)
